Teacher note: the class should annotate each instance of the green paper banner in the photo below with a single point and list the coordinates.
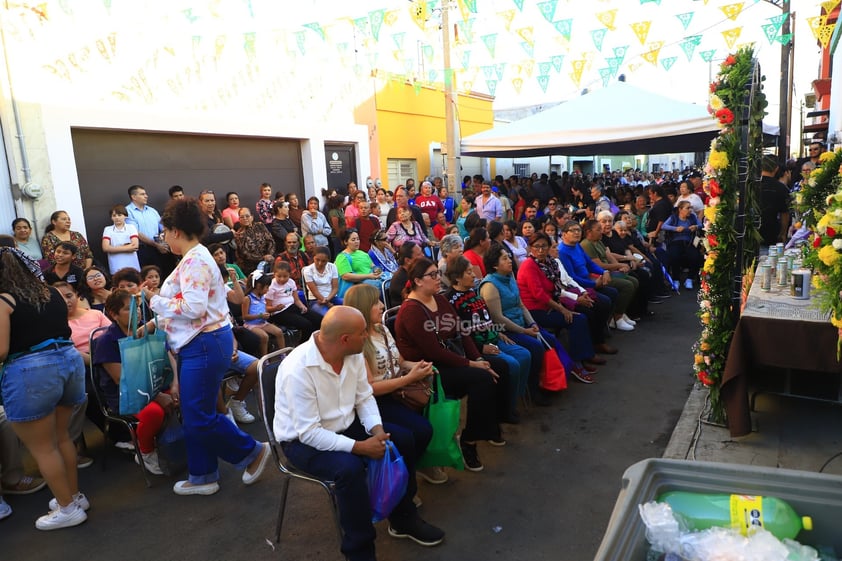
(427, 51)
(548, 9)
(519, 4)
(466, 60)
(488, 71)
(492, 86)
(544, 68)
(316, 26)
(490, 42)
(467, 29)
(689, 44)
(668, 62)
(399, 38)
(564, 27)
(685, 18)
(771, 32)
(530, 49)
(620, 52)
(500, 68)
(598, 35)
(557, 62)
(300, 40)
(376, 19)
(605, 74)
(543, 81)
(707, 56)
(779, 20)
(784, 39)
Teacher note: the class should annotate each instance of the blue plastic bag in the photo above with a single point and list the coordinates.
(145, 367)
(387, 480)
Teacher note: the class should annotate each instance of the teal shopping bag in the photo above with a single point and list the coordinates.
(443, 414)
(144, 365)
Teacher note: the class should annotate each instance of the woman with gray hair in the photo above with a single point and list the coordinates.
(450, 249)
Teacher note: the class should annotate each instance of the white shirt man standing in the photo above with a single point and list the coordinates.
(489, 206)
(148, 223)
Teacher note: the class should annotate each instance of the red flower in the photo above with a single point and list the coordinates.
(831, 232)
(704, 378)
(817, 241)
(731, 60)
(725, 116)
(713, 86)
(715, 190)
(712, 241)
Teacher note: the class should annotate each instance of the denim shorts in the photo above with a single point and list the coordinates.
(243, 361)
(34, 384)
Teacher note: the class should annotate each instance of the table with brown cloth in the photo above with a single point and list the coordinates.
(774, 330)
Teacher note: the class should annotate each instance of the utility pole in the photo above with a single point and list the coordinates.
(786, 85)
(453, 166)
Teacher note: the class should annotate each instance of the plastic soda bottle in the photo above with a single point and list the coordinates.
(741, 512)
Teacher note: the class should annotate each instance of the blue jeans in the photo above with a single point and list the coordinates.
(320, 309)
(519, 360)
(36, 383)
(581, 346)
(208, 434)
(348, 471)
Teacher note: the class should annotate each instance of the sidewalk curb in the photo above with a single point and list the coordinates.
(687, 427)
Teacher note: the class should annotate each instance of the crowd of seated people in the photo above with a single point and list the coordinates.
(549, 264)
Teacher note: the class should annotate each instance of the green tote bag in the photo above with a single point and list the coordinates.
(443, 414)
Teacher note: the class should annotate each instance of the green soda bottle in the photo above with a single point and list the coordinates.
(741, 512)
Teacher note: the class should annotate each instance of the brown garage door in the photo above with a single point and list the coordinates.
(108, 162)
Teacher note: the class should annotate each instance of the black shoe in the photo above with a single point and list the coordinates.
(419, 531)
(470, 457)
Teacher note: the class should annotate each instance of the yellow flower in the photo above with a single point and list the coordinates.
(700, 359)
(828, 255)
(704, 345)
(705, 317)
(799, 198)
(837, 322)
(716, 103)
(816, 282)
(718, 159)
(826, 157)
(710, 214)
(709, 264)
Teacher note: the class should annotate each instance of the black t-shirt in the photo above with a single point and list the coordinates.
(29, 326)
(396, 286)
(74, 277)
(617, 244)
(659, 212)
(774, 200)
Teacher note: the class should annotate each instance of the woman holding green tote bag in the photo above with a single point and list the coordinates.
(427, 328)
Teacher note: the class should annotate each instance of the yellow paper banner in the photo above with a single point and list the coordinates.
(419, 12)
(641, 29)
(732, 11)
(651, 56)
(391, 17)
(829, 5)
(517, 83)
(824, 34)
(816, 23)
(508, 16)
(607, 18)
(731, 36)
(526, 33)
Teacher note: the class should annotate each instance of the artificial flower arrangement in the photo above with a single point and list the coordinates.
(718, 311)
(823, 189)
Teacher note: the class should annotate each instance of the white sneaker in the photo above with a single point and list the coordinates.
(150, 462)
(5, 509)
(58, 519)
(230, 416)
(623, 326)
(688, 284)
(238, 409)
(124, 446)
(629, 320)
(79, 498)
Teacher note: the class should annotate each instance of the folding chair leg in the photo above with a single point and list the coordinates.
(139, 458)
(335, 505)
(282, 508)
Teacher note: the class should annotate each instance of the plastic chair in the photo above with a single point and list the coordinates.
(267, 369)
(130, 422)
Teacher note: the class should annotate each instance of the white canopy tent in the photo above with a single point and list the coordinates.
(618, 119)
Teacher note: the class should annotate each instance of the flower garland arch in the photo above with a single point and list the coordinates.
(731, 238)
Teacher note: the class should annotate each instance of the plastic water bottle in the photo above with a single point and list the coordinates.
(741, 512)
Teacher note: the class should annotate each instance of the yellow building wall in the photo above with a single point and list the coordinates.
(409, 118)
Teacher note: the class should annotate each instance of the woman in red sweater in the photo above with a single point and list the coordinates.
(427, 328)
(551, 305)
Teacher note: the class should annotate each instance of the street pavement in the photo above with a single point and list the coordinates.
(546, 495)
